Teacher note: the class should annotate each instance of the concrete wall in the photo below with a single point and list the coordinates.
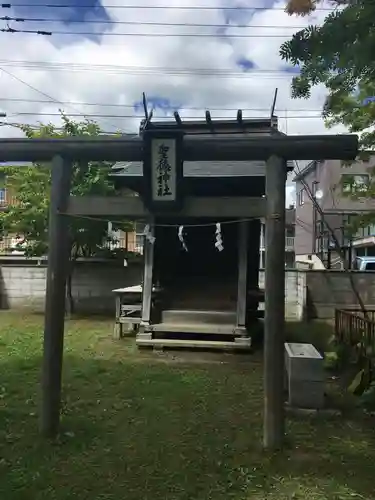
(330, 290)
(316, 294)
(295, 293)
(23, 284)
(308, 294)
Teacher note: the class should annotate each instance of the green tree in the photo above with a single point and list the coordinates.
(28, 216)
(340, 55)
(305, 7)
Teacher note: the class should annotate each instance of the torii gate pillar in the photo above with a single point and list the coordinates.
(274, 319)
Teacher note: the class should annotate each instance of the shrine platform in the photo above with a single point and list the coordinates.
(195, 329)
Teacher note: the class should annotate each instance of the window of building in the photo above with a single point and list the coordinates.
(364, 232)
(3, 196)
(140, 228)
(290, 231)
(139, 236)
(357, 183)
(332, 241)
(319, 228)
(302, 196)
(318, 245)
(349, 220)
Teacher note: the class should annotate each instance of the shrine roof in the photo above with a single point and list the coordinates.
(228, 128)
(200, 169)
(197, 169)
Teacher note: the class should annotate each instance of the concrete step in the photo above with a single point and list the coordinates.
(193, 344)
(204, 328)
(181, 316)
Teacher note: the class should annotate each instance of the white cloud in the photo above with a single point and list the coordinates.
(193, 90)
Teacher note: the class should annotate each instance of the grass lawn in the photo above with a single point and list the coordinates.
(143, 426)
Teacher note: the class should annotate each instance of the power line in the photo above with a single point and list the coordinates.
(132, 106)
(41, 92)
(30, 86)
(145, 7)
(144, 35)
(50, 97)
(139, 70)
(34, 32)
(141, 23)
(95, 115)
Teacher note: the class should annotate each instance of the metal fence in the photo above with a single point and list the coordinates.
(352, 327)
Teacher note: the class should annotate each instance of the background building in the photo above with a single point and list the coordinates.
(290, 222)
(330, 184)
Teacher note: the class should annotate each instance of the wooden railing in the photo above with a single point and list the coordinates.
(352, 327)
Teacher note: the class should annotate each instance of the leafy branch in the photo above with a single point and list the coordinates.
(27, 217)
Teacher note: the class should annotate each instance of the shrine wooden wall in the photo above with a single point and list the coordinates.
(202, 277)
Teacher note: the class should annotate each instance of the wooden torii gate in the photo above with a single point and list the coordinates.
(275, 150)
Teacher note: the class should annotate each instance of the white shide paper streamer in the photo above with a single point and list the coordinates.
(181, 237)
(219, 239)
(148, 235)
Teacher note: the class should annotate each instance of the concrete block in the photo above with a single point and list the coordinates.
(306, 394)
(303, 362)
(38, 275)
(40, 286)
(21, 273)
(37, 292)
(305, 375)
(26, 290)
(24, 284)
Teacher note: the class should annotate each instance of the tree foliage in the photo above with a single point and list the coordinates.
(340, 55)
(27, 216)
(305, 7)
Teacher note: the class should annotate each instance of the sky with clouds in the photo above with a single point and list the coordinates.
(99, 63)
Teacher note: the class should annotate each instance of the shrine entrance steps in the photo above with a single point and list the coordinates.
(195, 329)
(198, 317)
